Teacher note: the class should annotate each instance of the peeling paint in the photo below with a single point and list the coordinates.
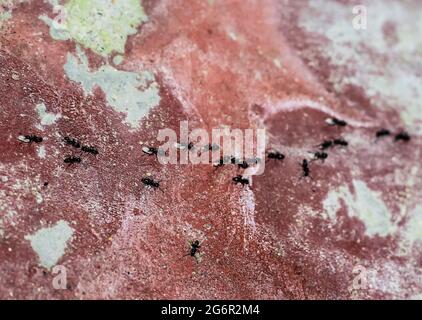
(365, 204)
(133, 93)
(41, 152)
(47, 118)
(50, 243)
(412, 231)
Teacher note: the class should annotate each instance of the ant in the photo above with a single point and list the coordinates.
(305, 168)
(150, 150)
(233, 160)
(248, 162)
(276, 155)
(224, 160)
(195, 246)
(340, 142)
(336, 122)
(211, 147)
(151, 183)
(382, 133)
(326, 144)
(89, 149)
(72, 142)
(30, 138)
(188, 146)
(320, 156)
(241, 180)
(403, 136)
(194, 250)
(219, 163)
(71, 160)
(244, 164)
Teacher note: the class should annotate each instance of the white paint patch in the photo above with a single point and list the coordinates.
(50, 243)
(46, 118)
(134, 94)
(365, 204)
(412, 231)
(414, 225)
(41, 152)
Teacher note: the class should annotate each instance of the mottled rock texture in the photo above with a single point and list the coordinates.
(112, 73)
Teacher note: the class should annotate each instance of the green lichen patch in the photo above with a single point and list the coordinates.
(100, 25)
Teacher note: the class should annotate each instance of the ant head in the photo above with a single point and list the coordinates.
(196, 242)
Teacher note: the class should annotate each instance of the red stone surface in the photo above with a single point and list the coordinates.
(270, 240)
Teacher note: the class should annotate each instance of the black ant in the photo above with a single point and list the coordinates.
(188, 146)
(220, 162)
(89, 149)
(72, 142)
(30, 138)
(241, 180)
(382, 133)
(71, 160)
(150, 150)
(194, 249)
(320, 155)
(224, 160)
(276, 155)
(341, 142)
(326, 144)
(195, 246)
(151, 183)
(244, 164)
(305, 168)
(211, 147)
(336, 122)
(402, 136)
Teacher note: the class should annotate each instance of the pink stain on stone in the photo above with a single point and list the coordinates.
(285, 66)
